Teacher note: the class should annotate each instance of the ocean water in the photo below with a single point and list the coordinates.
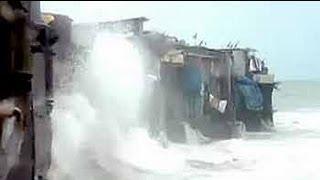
(96, 134)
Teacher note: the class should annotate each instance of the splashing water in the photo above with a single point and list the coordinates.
(97, 133)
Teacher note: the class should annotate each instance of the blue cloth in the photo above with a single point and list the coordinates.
(192, 79)
(251, 93)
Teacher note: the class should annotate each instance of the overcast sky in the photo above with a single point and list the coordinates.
(287, 34)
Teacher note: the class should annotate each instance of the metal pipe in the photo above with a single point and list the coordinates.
(48, 78)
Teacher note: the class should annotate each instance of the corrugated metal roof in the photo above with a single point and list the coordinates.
(141, 19)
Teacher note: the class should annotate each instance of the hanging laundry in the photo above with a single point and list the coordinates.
(217, 103)
(255, 64)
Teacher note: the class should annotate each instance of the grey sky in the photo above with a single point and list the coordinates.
(287, 34)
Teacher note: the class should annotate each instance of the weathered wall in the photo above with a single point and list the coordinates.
(239, 63)
(18, 162)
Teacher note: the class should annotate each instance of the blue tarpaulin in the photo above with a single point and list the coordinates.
(251, 94)
(192, 79)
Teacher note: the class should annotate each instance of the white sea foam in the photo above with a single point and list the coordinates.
(97, 134)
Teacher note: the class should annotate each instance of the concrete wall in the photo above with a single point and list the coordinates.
(42, 126)
(43, 132)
